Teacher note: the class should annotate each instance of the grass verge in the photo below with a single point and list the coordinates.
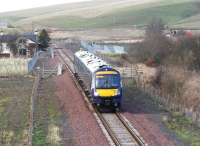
(184, 129)
(48, 117)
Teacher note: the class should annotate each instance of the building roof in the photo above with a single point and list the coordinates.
(8, 38)
(30, 35)
(30, 42)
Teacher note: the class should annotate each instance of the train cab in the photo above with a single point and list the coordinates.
(107, 87)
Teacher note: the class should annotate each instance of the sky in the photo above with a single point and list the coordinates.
(11, 5)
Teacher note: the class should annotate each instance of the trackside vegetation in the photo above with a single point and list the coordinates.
(14, 110)
(184, 128)
(49, 120)
(178, 85)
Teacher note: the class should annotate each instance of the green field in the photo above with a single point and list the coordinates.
(171, 14)
(105, 14)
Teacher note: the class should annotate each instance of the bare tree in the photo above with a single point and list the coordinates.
(155, 28)
(156, 46)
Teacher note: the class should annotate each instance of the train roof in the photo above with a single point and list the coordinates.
(91, 61)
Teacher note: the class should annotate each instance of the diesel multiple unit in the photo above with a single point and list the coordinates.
(101, 79)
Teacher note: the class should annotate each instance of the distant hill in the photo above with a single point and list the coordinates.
(109, 13)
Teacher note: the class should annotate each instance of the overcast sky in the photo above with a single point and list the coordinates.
(10, 5)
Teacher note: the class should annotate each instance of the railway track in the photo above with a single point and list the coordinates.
(119, 130)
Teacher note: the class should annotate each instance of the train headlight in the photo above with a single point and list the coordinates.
(118, 91)
(96, 93)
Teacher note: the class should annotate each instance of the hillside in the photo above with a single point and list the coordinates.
(109, 13)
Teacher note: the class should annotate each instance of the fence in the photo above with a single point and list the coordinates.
(13, 66)
(32, 62)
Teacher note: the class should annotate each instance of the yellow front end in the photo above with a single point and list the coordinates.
(106, 92)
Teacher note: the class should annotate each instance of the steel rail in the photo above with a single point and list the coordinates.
(108, 128)
(131, 131)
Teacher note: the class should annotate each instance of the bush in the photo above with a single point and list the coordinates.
(186, 53)
(156, 47)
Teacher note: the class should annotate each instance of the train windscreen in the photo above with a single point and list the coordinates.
(107, 81)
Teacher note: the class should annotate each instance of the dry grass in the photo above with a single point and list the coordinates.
(191, 90)
(13, 66)
(149, 74)
(99, 34)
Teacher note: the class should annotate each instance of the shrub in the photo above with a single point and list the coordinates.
(186, 53)
(155, 47)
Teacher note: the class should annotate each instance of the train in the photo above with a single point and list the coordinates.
(101, 80)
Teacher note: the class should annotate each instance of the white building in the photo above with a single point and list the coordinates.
(5, 49)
